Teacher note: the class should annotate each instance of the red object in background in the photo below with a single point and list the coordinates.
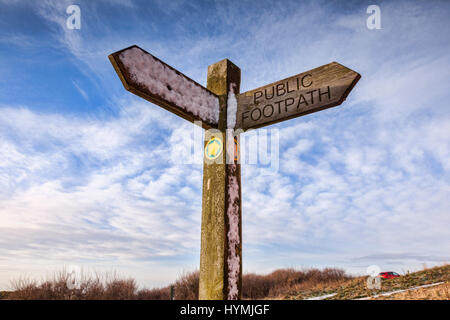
(388, 275)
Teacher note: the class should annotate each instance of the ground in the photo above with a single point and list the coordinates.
(357, 288)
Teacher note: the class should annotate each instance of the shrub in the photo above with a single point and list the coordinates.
(70, 286)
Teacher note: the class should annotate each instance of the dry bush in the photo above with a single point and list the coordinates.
(284, 281)
(186, 287)
(154, 294)
(90, 288)
(24, 288)
(70, 286)
(255, 286)
(120, 289)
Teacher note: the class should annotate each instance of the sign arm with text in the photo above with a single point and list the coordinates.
(311, 91)
(222, 109)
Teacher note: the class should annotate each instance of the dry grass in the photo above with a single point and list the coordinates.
(357, 287)
(69, 286)
(285, 282)
(280, 284)
(186, 287)
(439, 292)
(66, 285)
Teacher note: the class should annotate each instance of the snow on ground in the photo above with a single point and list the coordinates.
(322, 297)
(399, 291)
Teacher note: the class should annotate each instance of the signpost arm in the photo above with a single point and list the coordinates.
(221, 109)
(221, 245)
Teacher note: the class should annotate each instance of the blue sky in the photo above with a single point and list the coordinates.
(86, 173)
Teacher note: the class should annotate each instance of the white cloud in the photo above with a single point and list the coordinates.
(80, 90)
(365, 182)
(119, 201)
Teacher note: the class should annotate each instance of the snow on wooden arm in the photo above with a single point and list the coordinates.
(152, 79)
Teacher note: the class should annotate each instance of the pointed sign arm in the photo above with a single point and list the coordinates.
(311, 91)
(152, 79)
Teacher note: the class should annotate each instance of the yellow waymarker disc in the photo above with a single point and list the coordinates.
(213, 148)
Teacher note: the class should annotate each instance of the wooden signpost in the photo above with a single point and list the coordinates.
(311, 91)
(222, 110)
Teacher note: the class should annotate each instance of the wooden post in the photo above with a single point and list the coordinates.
(221, 245)
(150, 78)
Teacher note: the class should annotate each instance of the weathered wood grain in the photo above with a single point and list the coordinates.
(215, 250)
(311, 91)
(131, 85)
(221, 230)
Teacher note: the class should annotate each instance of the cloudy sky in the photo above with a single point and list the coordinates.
(88, 177)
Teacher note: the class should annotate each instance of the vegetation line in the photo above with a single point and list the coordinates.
(384, 294)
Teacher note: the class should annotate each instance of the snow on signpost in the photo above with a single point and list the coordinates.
(150, 78)
(221, 107)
